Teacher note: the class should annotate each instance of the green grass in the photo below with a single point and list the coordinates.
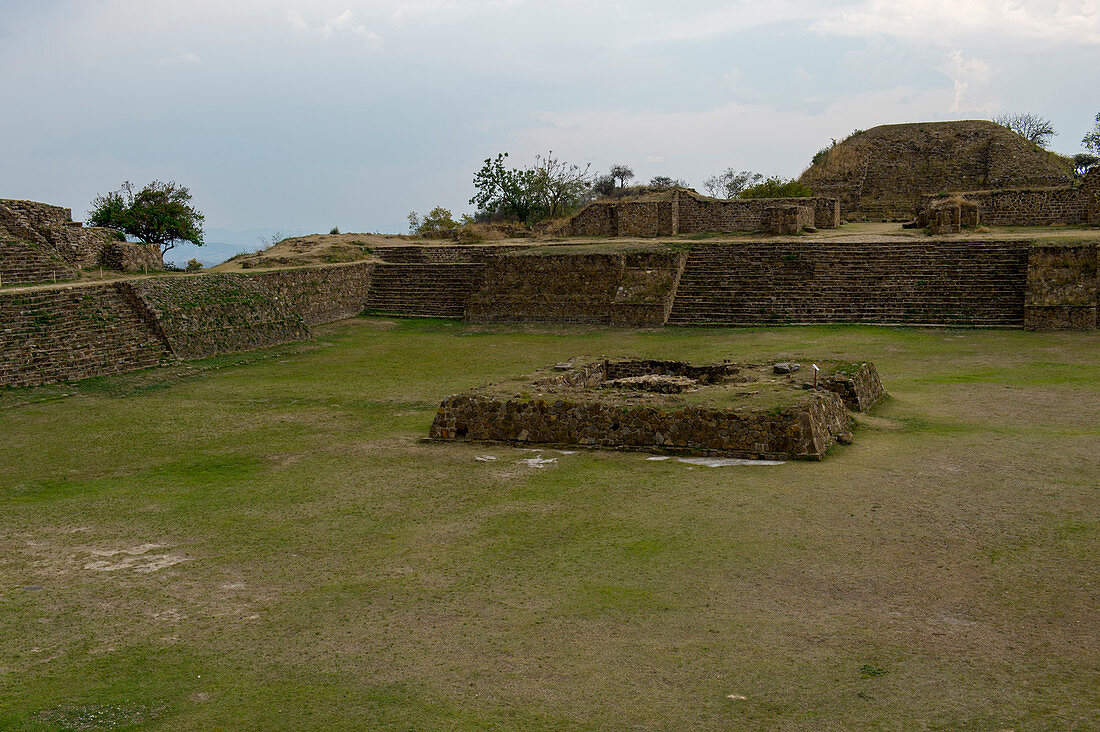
(299, 559)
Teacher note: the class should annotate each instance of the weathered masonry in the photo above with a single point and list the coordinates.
(76, 331)
(41, 243)
(738, 410)
(686, 212)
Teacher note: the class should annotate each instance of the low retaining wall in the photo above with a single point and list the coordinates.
(1062, 288)
(805, 430)
(617, 288)
(320, 294)
(69, 333)
(218, 313)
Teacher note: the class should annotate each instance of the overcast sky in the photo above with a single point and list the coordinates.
(300, 116)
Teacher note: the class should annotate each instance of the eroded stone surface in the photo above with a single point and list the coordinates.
(735, 410)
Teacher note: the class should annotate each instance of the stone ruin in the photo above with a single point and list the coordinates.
(746, 410)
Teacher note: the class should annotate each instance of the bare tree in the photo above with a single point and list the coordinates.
(560, 185)
(621, 173)
(1031, 127)
(731, 182)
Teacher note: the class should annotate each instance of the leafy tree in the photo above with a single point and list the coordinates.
(436, 221)
(160, 213)
(731, 183)
(621, 173)
(603, 185)
(509, 191)
(776, 187)
(548, 188)
(1031, 127)
(1091, 140)
(663, 181)
(1082, 162)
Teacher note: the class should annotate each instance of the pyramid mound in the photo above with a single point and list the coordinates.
(881, 173)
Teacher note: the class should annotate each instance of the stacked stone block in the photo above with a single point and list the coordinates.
(70, 333)
(1062, 288)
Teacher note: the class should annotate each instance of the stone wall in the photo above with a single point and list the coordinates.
(686, 212)
(320, 294)
(24, 262)
(860, 387)
(1014, 207)
(1062, 288)
(69, 333)
(620, 288)
(51, 228)
(803, 430)
(210, 314)
(823, 281)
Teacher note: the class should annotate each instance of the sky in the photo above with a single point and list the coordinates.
(299, 116)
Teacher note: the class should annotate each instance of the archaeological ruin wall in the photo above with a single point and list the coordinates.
(685, 212)
(41, 243)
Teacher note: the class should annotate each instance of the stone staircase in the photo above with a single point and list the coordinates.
(24, 263)
(977, 284)
(423, 290)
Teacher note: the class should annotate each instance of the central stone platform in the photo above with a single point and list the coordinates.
(760, 410)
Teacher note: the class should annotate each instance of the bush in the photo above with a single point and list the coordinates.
(193, 265)
(435, 223)
(334, 230)
(776, 187)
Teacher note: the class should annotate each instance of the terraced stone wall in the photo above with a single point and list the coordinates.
(618, 288)
(69, 333)
(210, 314)
(52, 232)
(1062, 288)
(320, 294)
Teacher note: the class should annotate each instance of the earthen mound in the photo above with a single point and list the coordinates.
(880, 174)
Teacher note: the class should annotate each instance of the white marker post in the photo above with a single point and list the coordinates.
(816, 369)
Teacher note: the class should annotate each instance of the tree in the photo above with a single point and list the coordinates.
(1091, 140)
(437, 221)
(509, 191)
(548, 188)
(160, 213)
(776, 187)
(730, 183)
(603, 185)
(621, 173)
(1031, 127)
(663, 181)
(559, 185)
(1082, 162)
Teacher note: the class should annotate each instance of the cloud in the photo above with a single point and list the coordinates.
(950, 22)
(655, 158)
(802, 75)
(184, 59)
(734, 79)
(344, 23)
(963, 72)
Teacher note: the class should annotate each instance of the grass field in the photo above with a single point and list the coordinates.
(262, 542)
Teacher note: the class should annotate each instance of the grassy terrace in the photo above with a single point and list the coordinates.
(262, 542)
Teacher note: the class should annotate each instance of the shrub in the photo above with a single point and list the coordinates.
(193, 265)
(334, 230)
(776, 187)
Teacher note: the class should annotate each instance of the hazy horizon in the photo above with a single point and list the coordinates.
(298, 117)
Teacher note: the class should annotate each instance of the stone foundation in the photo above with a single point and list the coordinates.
(788, 218)
(736, 411)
